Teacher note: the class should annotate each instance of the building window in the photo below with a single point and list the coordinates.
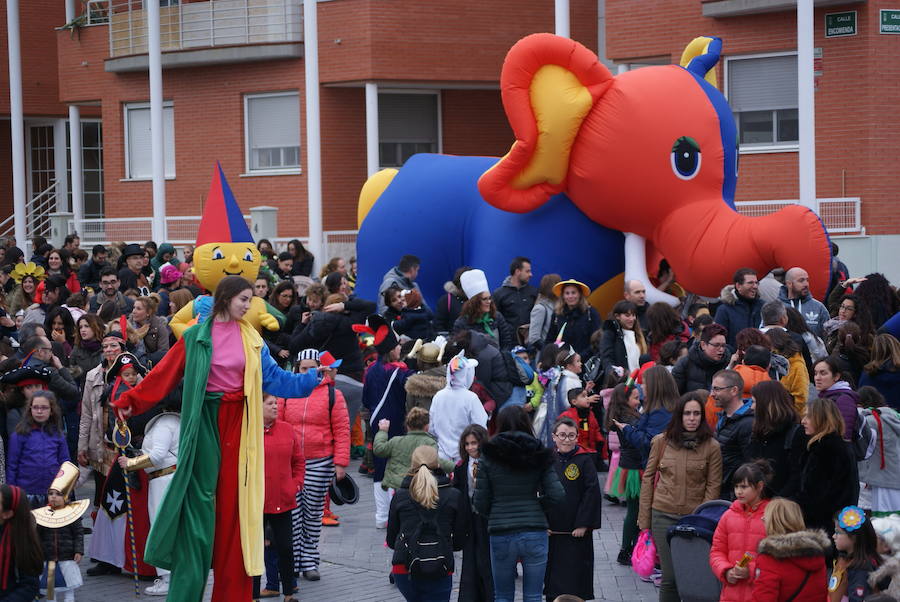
(407, 124)
(272, 131)
(91, 167)
(762, 92)
(138, 156)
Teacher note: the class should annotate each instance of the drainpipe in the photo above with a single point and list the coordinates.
(806, 103)
(157, 128)
(562, 17)
(313, 139)
(76, 183)
(17, 125)
(372, 158)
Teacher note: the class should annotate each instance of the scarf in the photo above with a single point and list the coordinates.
(91, 346)
(689, 440)
(485, 321)
(6, 542)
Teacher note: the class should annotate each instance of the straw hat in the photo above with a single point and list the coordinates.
(559, 286)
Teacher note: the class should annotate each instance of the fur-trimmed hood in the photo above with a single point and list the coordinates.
(518, 451)
(890, 569)
(451, 288)
(727, 295)
(427, 383)
(795, 545)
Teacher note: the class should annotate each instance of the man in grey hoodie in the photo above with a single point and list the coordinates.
(795, 293)
(402, 276)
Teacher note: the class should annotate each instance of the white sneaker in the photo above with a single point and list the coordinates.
(160, 587)
(381, 524)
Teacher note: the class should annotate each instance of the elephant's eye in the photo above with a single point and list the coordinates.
(248, 256)
(685, 158)
(217, 253)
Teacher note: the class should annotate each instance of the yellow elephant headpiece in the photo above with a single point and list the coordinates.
(225, 246)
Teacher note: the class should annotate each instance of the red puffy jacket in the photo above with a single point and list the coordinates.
(739, 530)
(590, 438)
(784, 561)
(320, 434)
(285, 468)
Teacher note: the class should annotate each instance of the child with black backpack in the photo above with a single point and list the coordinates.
(427, 521)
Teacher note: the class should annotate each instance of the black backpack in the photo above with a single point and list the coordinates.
(514, 373)
(429, 554)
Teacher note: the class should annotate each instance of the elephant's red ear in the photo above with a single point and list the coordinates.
(549, 85)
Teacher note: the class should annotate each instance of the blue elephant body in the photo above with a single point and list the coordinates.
(432, 209)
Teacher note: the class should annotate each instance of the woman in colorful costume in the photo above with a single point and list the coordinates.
(219, 480)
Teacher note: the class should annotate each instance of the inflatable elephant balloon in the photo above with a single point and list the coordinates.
(651, 153)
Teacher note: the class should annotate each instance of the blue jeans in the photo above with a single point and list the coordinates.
(531, 548)
(424, 590)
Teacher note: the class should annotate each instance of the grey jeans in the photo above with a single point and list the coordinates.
(659, 525)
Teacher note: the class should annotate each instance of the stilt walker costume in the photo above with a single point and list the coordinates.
(212, 513)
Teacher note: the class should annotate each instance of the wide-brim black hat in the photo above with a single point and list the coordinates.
(27, 375)
(344, 491)
(132, 249)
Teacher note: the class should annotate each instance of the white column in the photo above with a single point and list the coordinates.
(562, 17)
(17, 124)
(70, 11)
(806, 107)
(372, 157)
(77, 183)
(59, 165)
(157, 129)
(313, 139)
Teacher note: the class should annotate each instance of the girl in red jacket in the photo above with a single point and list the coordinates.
(284, 477)
(739, 532)
(791, 561)
(323, 428)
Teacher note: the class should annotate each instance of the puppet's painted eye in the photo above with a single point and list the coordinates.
(217, 253)
(685, 158)
(248, 256)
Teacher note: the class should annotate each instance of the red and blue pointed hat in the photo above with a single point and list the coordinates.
(222, 218)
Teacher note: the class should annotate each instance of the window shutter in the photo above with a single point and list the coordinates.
(273, 121)
(762, 84)
(407, 118)
(140, 159)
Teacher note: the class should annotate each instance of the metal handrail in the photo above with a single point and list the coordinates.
(35, 209)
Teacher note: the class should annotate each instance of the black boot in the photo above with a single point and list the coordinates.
(624, 557)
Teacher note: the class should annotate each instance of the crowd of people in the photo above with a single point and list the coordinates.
(485, 419)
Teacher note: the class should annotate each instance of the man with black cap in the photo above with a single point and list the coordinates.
(55, 294)
(131, 275)
(89, 274)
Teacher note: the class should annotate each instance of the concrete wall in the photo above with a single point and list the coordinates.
(866, 254)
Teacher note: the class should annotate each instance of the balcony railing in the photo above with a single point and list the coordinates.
(840, 216)
(192, 25)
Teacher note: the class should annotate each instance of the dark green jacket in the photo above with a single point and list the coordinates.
(515, 483)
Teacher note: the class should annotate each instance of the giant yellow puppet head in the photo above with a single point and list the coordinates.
(224, 248)
(224, 244)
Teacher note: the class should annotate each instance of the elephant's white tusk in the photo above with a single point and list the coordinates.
(636, 269)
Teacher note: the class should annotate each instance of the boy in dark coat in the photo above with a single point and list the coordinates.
(570, 561)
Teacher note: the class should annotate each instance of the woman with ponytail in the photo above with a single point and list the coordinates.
(426, 523)
(21, 558)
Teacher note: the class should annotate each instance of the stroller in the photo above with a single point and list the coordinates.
(690, 540)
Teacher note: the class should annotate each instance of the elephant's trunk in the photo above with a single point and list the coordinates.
(706, 243)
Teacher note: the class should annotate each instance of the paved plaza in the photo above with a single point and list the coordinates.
(355, 562)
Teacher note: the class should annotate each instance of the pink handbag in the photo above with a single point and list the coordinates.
(643, 557)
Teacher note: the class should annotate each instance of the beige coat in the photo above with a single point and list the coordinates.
(91, 427)
(687, 478)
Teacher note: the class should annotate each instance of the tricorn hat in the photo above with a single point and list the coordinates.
(344, 491)
(121, 362)
(27, 375)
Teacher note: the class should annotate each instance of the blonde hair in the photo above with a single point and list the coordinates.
(424, 488)
(825, 418)
(783, 516)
